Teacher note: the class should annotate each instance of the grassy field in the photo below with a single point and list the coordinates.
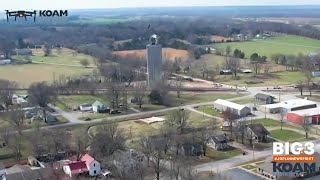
(198, 120)
(198, 98)
(213, 155)
(66, 103)
(277, 78)
(209, 110)
(285, 135)
(286, 44)
(27, 74)
(67, 56)
(245, 101)
(267, 122)
(100, 20)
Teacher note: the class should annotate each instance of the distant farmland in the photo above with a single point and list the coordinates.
(167, 53)
(287, 44)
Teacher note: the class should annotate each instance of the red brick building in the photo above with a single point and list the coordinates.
(310, 115)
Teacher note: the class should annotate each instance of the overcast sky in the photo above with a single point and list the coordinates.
(86, 4)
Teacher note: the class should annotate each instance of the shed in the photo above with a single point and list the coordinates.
(265, 98)
(240, 110)
(85, 107)
(99, 107)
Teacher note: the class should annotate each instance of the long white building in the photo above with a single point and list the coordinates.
(240, 110)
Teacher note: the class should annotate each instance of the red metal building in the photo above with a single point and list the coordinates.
(310, 115)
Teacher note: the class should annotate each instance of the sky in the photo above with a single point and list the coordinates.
(86, 4)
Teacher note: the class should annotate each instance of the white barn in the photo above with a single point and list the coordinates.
(5, 61)
(240, 110)
(92, 165)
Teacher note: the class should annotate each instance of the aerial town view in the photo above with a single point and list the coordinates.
(160, 90)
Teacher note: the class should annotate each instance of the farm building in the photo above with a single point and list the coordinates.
(286, 106)
(99, 107)
(240, 110)
(5, 61)
(309, 115)
(85, 107)
(264, 98)
(24, 52)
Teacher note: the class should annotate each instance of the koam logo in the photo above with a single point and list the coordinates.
(53, 13)
(42, 13)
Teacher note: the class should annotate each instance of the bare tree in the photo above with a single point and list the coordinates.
(108, 139)
(300, 87)
(139, 92)
(15, 144)
(307, 68)
(282, 115)
(59, 50)
(41, 94)
(305, 125)
(5, 134)
(203, 138)
(241, 129)
(81, 142)
(147, 148)
(230, 117)
(267, 67)
(233, 64)
(16, 120)
(157, 161)
(85, 62)
(114, 93)
(47, 49)
(178, 118)
(7, 90)
(178, 85)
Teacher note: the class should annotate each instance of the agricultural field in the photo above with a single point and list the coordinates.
(66, 56)
(99, 20)
(167, 53)
(220, 38)
(27, 74)
(286, 44)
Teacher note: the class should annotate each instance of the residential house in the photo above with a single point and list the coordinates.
(190, 149)
(92, 165)
(50, 118)
(5, 61)
(99, 107)
(258, 132)
(74, 167)
(264, 98)
(218, 142)
(85, 107)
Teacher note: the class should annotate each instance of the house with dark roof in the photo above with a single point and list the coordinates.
(258, 132)
(93, 166)
(191, 149)
(264, 98)
(74, 167)
(218, 142)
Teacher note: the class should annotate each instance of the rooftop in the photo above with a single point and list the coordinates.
(87, 159)
(259, 129)
(229, 104)
(296, 103)
(307, 112)
(263, 96)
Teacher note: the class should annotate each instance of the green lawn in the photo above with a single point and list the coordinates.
(27, 74)
(66, 103)
(286, 135)
(67, 56)
(209, 110)
(198, 120)
(213, 155)
(94, 116)
(245, 101)
(286, 44)
(267, 122)
(198, 98)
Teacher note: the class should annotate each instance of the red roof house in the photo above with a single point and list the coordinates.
(75, 167)
(87, 159)
(93, 166)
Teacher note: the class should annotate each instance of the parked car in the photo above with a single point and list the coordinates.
(276, 87)
(87, 119)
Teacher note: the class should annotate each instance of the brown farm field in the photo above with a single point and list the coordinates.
(167, 53)
(220, 38)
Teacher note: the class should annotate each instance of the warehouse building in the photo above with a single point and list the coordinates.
(311, 116)
(240, 110)
(287, 106)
